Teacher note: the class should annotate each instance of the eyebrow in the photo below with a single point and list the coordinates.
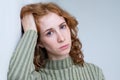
(62, 23)
(52, 28)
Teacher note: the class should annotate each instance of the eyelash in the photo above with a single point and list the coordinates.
(49, 33)
(63, 26)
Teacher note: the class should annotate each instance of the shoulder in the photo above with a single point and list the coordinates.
(92, 67)
(95, 70)
(91, 71)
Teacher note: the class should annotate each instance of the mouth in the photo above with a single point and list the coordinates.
(64, 47)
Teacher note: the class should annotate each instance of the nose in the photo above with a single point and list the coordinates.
(60, 37)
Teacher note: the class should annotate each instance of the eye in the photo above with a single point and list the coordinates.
(63, 26)
(49, 33)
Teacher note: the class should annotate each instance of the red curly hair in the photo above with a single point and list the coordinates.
(41, 9)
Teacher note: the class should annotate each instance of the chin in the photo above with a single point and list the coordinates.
(65, 52)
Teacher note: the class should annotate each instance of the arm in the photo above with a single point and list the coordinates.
(21, 64)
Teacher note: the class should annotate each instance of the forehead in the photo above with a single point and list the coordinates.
(50, 20)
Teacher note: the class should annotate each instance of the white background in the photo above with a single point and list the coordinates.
(99, 31)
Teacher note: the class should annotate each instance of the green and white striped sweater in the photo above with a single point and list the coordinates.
(22, 68)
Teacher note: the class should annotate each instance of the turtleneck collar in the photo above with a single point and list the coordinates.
(59, 64)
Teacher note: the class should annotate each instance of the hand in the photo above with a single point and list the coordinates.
(28, 22)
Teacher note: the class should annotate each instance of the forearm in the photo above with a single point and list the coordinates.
(21, 64)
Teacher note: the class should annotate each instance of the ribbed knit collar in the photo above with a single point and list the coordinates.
(59, 64)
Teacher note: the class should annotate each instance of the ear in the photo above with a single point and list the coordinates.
(41, 45)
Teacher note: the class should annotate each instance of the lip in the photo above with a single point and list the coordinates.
(64, 47)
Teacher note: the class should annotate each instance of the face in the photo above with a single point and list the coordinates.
(55, 36)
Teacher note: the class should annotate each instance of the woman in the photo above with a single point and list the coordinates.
(49, 48)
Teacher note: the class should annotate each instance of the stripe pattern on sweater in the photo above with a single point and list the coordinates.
(21, 65)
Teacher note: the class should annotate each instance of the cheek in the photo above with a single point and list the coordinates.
(69, 36)
(49, 43)
(68, 33)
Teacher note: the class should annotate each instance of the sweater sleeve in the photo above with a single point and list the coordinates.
(100, 75)
(21, 64)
